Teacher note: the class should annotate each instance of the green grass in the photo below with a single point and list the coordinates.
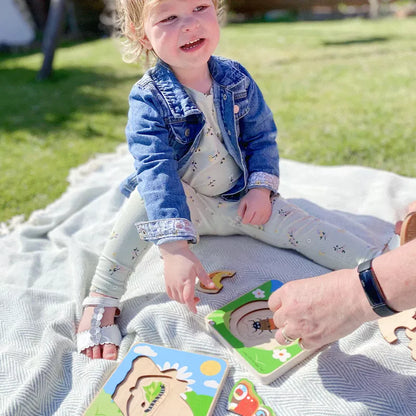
(342, 92)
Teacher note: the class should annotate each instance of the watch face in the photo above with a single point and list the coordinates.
(373, 290)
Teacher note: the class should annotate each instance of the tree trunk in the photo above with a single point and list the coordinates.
(51, 35)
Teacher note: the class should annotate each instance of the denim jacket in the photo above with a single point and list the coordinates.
(165, 127)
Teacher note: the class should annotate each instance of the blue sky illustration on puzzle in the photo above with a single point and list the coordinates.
(203, 373)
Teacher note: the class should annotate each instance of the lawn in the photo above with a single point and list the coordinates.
(342, 92)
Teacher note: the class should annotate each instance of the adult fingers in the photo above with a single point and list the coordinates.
(304, 345)
(284, 337)
(275, 301)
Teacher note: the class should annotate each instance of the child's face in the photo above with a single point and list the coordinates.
(183, 33)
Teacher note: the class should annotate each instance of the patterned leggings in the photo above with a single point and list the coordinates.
(288, 227)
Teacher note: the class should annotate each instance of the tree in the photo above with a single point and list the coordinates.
(53, 28)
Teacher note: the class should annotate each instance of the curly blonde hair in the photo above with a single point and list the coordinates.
(129, 25)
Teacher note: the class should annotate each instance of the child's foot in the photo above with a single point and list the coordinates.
(97, 335)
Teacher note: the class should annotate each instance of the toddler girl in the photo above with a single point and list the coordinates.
(206, 162)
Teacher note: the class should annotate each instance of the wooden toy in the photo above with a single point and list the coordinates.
(246, 326)
(216, 277)
(412, 344)
(408, 230)
(244, 400)
(158, 381)
(388, 325)
(405, 319)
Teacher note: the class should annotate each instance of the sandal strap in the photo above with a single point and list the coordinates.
(105, 302)
(106, 335)
(98, 335)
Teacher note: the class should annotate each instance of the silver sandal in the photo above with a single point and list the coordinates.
(98, 335)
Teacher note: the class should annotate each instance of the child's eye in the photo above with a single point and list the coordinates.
(168, 19)
(200, 8)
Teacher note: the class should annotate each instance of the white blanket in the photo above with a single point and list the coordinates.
(47, 264)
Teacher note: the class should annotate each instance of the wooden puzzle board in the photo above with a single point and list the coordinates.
(244, 325)
(158, 381)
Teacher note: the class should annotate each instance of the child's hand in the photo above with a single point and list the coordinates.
(255, 207)
(181, 268)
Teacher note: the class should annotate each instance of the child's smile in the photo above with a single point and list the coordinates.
(193, 45)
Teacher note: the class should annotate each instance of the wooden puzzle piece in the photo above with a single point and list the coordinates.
(412, 344)
(250, 323)
(147, 389)
(408, 230)
(216, 277)
(388, 325)
(244, 400)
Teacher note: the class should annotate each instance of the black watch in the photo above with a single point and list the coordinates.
(373, 290)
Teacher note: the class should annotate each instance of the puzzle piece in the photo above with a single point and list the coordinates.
(412, 344)
(408, 231)
(216, 277)
(244, 400)
(388, 325)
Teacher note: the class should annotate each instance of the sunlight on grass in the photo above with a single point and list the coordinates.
(340, 92)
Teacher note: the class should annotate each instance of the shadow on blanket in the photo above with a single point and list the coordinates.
(359, 378)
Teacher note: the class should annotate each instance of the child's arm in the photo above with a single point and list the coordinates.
(255, 207)
(181, 268)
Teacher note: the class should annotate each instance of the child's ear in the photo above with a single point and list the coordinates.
(146, 43)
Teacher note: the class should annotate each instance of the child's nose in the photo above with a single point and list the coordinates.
(190, 23)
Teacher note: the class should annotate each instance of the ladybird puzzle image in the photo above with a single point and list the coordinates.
(245, 401)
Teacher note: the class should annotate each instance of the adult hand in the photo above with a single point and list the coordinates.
(255, 207)
(320, 310)
(181, 268)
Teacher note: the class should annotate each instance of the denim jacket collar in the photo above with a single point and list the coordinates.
(179, 102)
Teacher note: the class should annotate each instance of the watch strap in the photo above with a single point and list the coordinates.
(373, 290)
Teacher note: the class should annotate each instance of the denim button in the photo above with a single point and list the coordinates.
(187, 132)
(224, 96)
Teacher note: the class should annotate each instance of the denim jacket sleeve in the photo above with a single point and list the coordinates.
(258, 134)
(159, 184)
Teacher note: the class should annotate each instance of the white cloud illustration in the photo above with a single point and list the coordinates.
(211, 383)
(145, 350)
